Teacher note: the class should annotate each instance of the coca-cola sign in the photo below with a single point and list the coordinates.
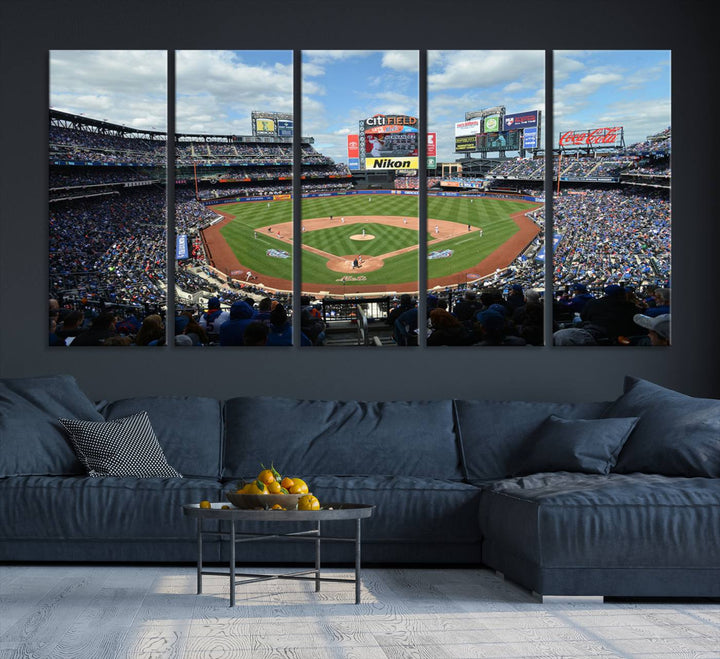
(595, 136)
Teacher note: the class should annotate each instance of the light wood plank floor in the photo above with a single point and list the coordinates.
(96, 612)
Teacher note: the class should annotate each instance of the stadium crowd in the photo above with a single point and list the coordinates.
(107, 252)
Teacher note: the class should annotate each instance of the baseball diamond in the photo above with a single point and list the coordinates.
(340, 236)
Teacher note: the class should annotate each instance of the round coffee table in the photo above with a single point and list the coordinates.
(330, 512)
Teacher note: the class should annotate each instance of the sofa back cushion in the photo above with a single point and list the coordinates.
(494, 434)
(188, 428)
(315, 437)
(677, 435)
(32, 440)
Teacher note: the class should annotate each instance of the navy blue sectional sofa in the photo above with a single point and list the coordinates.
(617, 498)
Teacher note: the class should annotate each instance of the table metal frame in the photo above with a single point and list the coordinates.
(330, 512)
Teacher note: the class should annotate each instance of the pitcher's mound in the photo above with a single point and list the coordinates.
(359, 236)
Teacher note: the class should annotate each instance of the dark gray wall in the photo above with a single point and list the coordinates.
(30, 29)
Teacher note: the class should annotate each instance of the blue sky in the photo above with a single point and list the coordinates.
(217, 90)
(612, 88)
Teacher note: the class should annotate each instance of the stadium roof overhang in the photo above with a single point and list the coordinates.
(79, 121)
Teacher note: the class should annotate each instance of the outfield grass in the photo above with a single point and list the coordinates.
(493, 215)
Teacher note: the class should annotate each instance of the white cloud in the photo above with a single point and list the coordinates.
(228, 85)
(579, 92)
(401, 60)
(319, 57)
(481, 69)
(127, 87)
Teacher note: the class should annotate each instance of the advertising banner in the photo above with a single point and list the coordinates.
(391, 163)
(521, 120)
(608, 136)
(492, 124)
(285, 128)
(431, 144)
(431, 150)
(264, 126)
(353, 163)
(390, 123)
(471, 127)
(530, 138)
(502, 141)
(181, 247)
(466, 143)
(353, 146)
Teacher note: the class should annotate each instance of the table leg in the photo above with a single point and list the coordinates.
(317, 560)
(200, 556)
(357, 561)
(232, 562)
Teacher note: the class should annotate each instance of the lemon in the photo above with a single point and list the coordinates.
(205, 504)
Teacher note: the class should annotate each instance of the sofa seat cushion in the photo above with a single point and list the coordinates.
(315, 437)
(189, 429)
(407, 509)
(570, 520)
(32, 441)
(57, 509)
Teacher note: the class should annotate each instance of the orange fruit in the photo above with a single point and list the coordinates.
(274, 487)
(277, 506)
(266, 476)
(205, 504)
(299, 487)
(287, 482)
(308, 502)
(256, 487)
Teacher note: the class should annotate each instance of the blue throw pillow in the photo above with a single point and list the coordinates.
(494, 434)
(677, 435)
(589, 446)
(32, 441)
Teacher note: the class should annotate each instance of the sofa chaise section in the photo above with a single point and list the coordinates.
(639, 535)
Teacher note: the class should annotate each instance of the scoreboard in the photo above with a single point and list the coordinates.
(498, 132)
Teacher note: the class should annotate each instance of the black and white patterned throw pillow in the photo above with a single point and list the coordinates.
(121, 447)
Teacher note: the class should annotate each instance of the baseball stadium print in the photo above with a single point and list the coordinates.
(485, 282)
(611, 198)
(107, 254)
(357, 235)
